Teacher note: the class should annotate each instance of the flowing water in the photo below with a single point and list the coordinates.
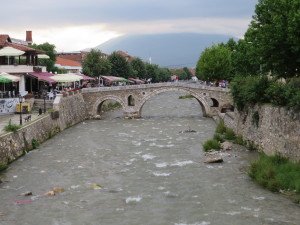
(138, 172)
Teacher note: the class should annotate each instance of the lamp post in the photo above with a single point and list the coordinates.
(44, 95)
(20, 101)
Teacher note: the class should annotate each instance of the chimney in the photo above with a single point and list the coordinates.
(29, 37)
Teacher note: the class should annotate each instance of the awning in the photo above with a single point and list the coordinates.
(114, 79)
(43, 56)
(43, 76)
(64, 78)
(10, 51)
(85, 77)
(6, 76)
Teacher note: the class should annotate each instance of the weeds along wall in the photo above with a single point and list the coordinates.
(69, 110)
(275, 130)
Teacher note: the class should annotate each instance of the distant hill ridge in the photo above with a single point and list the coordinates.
(167, 50)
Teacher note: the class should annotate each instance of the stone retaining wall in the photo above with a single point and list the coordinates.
(71, 110)
(272, 129)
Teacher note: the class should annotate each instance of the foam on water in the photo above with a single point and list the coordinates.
(148, 157)
(158, 174)
(136, 143)
(161, 165)
(182, 163)
(133, 199)
(197, 223)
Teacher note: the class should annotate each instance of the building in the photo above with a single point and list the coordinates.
(71, 66)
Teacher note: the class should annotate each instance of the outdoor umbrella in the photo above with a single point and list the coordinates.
(9, 51)
(7, 78)
(43, 56)
(66, 78)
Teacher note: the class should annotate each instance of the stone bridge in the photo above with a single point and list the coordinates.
(133, 97)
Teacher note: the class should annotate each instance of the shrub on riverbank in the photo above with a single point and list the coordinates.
(276, 173)
(10, 127)
(211, 144)
(250, 90)
(186, 96)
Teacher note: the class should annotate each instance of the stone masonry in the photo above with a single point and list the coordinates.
(139, 95)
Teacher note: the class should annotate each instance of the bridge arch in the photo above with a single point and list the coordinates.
(203, 103)
(100, 101)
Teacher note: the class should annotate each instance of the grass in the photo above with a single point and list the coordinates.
(276, 173)
(10, 127)
(211, 144)
(186, 96)
(2, 166)
(34, 143)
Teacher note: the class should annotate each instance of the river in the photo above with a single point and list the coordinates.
(139, 172)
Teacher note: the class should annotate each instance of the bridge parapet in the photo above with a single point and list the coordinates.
(155, 85)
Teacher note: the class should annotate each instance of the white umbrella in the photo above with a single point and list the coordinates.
(9, 51)
(66, 78)
(43, 56)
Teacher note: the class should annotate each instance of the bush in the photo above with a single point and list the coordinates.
(219, 137)
(221, 128)
(11, 127)
(211, 144)
(239, 140)
(186, 96)
(34, 143)
(229, 134)
(276, 93)
(276, 173)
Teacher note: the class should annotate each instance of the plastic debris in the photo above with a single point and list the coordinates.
(96, 186)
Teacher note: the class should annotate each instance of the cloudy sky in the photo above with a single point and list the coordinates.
(79, 24)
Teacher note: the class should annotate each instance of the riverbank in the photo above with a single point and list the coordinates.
(68, 111)
(275, 173)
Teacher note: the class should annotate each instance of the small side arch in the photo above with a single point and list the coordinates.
(227, 108)
(215, 102)
(130, 101)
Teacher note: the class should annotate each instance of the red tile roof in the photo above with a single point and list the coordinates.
(23, 48)
(3, 39)
(67, 62)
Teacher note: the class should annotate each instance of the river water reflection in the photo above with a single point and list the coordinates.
(136, 172)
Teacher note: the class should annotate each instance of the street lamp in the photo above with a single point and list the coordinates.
(44, 95)
(20, 102)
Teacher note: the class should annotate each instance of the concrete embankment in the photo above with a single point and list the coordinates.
(68, 111)
(274, 130)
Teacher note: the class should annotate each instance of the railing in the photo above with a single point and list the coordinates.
(155, 85)
(20, 68)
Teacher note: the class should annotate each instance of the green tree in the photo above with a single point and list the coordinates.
(138, 67)
(214, 64)
(275, 34)
(188, 73)
(49, 50)
(244, 59)
(164, 74)
(152, 71)
(94, 64)
(119, 65)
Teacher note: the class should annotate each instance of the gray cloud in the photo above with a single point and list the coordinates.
(40, 13)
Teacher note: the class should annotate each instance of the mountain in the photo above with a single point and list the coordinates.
(167, 50)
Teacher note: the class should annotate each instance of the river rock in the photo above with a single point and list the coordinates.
(226, 146)
(28, 193)
(213, 159)
(50, 193)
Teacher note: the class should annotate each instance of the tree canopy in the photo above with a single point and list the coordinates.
(49, 49)
(94, 64)
(275, 35)
(138, 68)
(119, 65)
(214, 64)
